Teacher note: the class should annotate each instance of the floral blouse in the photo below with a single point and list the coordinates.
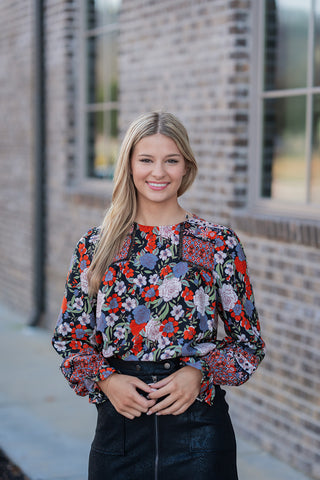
(161, 298)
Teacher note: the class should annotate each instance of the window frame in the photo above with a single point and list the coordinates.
(257, 203)
(99, 186)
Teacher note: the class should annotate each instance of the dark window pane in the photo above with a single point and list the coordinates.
(286, 43)
(315, 165)
(103, 68)
(317, 44)
(284, 165)
(102, 127)
(102, 12)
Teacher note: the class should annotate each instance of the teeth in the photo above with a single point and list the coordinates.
(157, 184)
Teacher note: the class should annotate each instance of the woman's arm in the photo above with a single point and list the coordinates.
(233, 359)
(75, 337)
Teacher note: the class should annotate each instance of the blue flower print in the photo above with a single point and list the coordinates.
(141, 314)
(148, 260)
(248, 307)
(180, 269)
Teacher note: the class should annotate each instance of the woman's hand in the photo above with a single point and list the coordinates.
(122, 393)
(181, 388)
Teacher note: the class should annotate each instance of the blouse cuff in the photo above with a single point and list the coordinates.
(83, 371)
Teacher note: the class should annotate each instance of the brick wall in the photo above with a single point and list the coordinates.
(16, 154)
(279, 406)
(70, 212)
(192, 58)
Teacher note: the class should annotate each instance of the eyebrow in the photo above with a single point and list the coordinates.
(170, 155)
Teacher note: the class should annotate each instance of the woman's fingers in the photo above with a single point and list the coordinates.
(122, 393)
(180, 390)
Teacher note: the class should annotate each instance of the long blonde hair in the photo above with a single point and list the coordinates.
(123, 208)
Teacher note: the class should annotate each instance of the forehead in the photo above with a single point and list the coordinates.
(154, 144)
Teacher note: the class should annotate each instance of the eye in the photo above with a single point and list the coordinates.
(145, 160)
(172, 160)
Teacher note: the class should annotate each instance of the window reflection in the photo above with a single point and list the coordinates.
(315, 165)
(316, 79)
(102, 86)
(284, 166)
(286, 43)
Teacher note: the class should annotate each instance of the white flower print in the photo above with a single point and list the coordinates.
(167, 354)
(64, 329)
(120, 287)
(110, 319)
(219, 257)
(165, 231)
(120, 332)
(177, 312)
(170, 288)
(228, 297)
(205, 348)
(84, 281)
(201, 300)
(153, 330)
(231, 241)
(84, 319)
(229, 270)
(175, 239)
(59, 346)
(78, 303)
(163, 342)
(164, 254)
(147, 357)
(108, 352)
(130, 304)
(100, 301)
(153, 279)
(140, 280)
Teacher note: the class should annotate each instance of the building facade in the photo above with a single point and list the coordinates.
(243, 76)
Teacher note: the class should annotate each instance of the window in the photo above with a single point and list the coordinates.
(100, 96)
(289, 105)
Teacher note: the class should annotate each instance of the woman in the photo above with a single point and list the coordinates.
(138, 324)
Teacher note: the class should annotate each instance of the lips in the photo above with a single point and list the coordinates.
(157, 186)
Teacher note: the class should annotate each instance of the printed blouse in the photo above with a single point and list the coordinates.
(161, 298)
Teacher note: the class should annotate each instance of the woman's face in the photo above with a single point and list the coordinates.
(157, 168)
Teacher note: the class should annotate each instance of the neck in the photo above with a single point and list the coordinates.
(158, 215)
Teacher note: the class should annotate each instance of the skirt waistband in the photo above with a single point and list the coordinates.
(137, 368)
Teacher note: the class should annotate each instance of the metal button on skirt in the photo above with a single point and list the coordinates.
(196, 445)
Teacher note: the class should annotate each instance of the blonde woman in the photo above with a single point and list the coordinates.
(138, 323)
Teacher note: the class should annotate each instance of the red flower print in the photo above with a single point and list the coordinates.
(64, 304)
(188, 334)
(136, 327)
(241, 265)
(169, 327)
(74, 345)
(151, 245)
(128, 272)
(187, 294)
(150, 293)
(245, 322)
(137, 344)
(114, 303)
(109, 277)
(165, 271)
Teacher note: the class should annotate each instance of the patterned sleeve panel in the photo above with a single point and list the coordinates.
(75, 337)
(237, 356)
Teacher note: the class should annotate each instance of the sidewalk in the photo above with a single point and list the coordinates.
(47, 430)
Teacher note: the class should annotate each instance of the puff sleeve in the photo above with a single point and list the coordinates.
(233, 359)
(75, 337)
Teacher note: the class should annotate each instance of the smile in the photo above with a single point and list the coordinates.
(157, 186)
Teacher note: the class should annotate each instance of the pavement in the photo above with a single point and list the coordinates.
(47, 430)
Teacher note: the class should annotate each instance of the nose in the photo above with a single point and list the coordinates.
(158, 170)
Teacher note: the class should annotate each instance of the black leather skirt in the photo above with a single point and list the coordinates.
(196, 445)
